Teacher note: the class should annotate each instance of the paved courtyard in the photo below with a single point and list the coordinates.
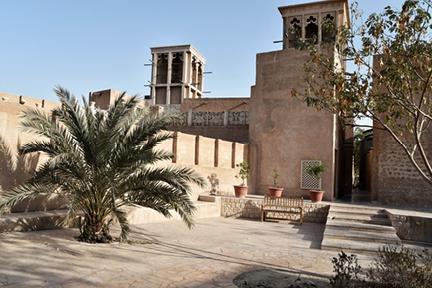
(163, 255)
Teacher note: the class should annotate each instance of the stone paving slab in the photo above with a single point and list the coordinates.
(163, 255)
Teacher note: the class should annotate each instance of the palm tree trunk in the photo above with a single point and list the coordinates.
(94, 229)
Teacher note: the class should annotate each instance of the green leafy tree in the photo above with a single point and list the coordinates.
(358, 138)
(391, 83)
(101, 161)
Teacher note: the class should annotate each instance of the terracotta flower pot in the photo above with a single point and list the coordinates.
(240, 191)
(275, 192)
(316, 195)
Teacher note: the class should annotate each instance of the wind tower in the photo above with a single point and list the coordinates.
(177, 74)
(285, 134)
(316, 22)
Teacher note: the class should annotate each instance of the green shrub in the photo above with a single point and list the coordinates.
(394, 267)
(347, 270)
(400, 267)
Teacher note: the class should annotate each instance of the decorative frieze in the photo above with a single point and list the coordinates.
(212, 119)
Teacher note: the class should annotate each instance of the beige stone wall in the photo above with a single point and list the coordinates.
(11, 107)
(395, 181)
(225, 154)
(207, 156)
(283, 131)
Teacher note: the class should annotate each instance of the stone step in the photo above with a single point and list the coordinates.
(32, 221)
(358, 226)
(357, 209)
(384, 237)
(358, 214)
(207, 198)
(350, 246)
(379, 219)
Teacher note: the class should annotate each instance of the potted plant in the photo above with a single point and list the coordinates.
(242, 189)
(316, 171)
(275, 191)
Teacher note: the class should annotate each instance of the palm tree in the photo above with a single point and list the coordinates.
(101, 161)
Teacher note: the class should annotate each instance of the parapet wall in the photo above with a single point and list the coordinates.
(11, 107)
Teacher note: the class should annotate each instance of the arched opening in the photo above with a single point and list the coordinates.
(162, 69)
(294, 31)
(328, 28)
(177, 68)
(311, 30)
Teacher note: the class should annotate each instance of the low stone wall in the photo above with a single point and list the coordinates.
(411, 227)
(250, 208)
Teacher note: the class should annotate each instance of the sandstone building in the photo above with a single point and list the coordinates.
(285, 134)
(270, 129)
(282, 132)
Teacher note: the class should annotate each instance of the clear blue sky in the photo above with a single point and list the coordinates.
(88, 45)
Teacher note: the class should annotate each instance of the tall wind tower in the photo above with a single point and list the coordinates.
(285, 134)
(177, 74)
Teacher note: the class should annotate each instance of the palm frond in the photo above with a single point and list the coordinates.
(8, 159)
(24, 192)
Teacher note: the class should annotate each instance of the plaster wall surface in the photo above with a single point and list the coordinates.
(283, 131)
(225, 154)
(206, 153)
(214, 158)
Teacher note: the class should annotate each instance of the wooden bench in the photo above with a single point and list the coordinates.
(291, 206)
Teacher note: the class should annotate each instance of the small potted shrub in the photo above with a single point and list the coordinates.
(275, 191)
(316, 171)
(242, 189)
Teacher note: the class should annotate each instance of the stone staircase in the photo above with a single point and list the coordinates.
(358, 229)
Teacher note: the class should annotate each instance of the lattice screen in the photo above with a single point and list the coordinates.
(309, 182)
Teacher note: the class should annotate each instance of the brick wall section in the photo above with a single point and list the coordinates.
(250, 208)
(395, 181)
